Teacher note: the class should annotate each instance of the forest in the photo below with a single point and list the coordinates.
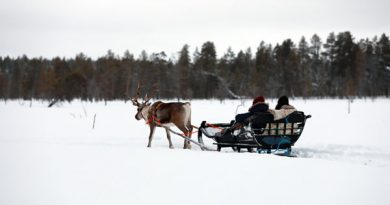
(337, 67)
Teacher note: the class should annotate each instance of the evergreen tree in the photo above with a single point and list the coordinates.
(83, 69)
(241, 72)
(196, 80)
(61, 70)
(304, 84)
(286, 68)
(343, 67)
(383, 51)
(183, 65)
(317, 69)
(208, 62)
(127, 65)
(263, 72)
(330, 65)
(208, 57)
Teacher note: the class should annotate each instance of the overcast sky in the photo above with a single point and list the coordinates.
(66, 27)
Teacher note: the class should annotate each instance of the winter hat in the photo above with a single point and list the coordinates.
(282, 101)
(258, 99)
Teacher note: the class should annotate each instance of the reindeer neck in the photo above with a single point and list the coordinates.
(145, 112)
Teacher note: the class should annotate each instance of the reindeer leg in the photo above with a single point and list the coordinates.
(152, 128)
(189, 135)
(186, 133)
(169, 138)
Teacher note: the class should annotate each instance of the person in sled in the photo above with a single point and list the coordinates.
(282, 109)
(258, 106)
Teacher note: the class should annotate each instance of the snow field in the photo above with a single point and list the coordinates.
(53, 156)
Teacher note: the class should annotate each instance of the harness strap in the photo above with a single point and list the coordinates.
(152, 113)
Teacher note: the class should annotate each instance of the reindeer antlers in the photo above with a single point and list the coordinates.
(154, 92)
(135, 99)
(146, 98)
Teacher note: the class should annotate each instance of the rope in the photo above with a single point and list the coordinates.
(214, 126)
(185, 136)
(202, 146)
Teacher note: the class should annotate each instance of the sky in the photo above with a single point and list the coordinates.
(64, 28)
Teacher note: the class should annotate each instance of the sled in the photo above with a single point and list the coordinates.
(261, 133)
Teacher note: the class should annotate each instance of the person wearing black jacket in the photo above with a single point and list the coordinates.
(258, 106)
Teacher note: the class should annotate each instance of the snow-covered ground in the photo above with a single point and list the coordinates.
(52, 156)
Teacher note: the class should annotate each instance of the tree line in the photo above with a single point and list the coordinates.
(338, 66)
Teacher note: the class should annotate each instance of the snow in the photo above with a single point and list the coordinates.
(53, 156)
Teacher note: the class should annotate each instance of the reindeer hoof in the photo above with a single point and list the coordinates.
(149, 146)
(187, 147)
(171, 147)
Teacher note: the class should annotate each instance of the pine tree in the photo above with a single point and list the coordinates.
(127, 64)
(196, 79)
(305, 83)
(344, 69)
(208, 57)
(61, 70)
(183, 66)
(208, 63)
(330, 66)
(317, 68)
(263, 70)
(286, 69)
(384, 65)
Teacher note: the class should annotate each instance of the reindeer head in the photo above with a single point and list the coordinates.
(142, 108)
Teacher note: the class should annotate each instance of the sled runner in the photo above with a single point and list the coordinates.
(261, 133)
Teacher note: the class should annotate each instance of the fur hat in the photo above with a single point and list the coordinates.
(258, 99)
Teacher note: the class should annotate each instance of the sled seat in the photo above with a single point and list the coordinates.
(280, 134)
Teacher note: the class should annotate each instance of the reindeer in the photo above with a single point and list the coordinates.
(164, 115)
